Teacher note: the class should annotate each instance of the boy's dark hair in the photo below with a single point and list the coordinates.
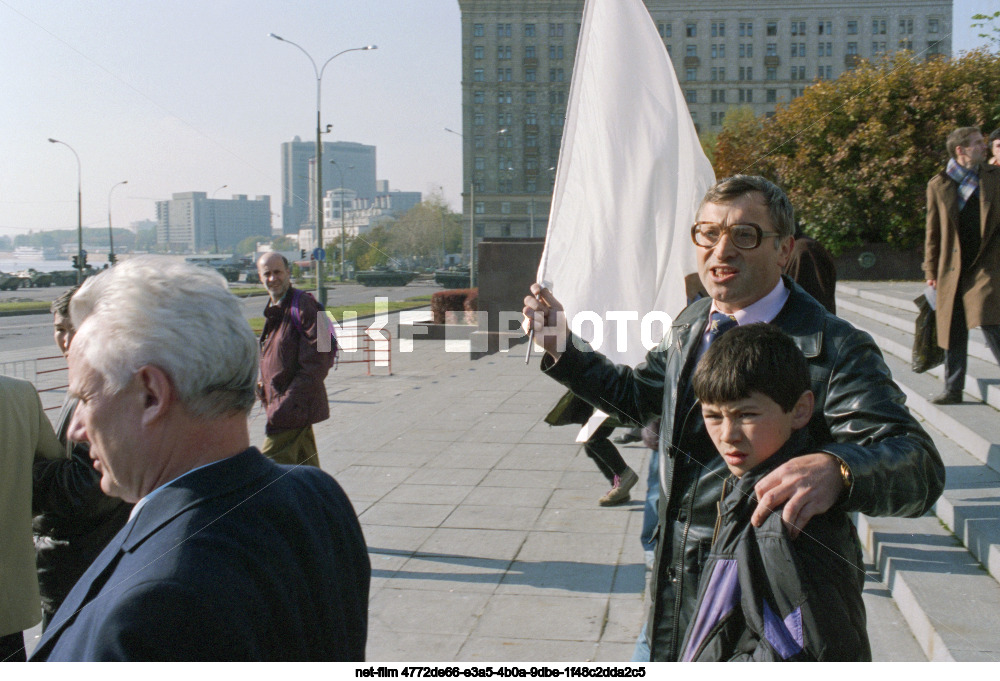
(753, 358)
(60, 305)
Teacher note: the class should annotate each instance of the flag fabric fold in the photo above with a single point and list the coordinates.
(631, 173)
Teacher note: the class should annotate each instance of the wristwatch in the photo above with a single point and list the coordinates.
(845, 474)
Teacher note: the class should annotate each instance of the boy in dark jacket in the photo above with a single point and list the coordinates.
(765, 596)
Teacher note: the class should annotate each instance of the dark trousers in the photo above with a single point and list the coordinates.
(12, 648)
(956, 357)
(604, 453)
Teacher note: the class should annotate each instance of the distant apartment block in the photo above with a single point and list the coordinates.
(517, 62)
(354, 163)
(191, 222)
(344, 211)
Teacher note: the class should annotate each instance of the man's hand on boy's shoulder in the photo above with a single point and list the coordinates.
(807, 485)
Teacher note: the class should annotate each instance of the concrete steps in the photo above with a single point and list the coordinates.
(942, 570)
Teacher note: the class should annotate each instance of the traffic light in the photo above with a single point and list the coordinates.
(83, 265)
(302, 254)
(76, 262)
(112, 258)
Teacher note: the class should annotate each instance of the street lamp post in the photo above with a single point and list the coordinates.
(111, 236)
(472, 217)
(444, 249)
(79, 210)
(320, 290)
(215, 233)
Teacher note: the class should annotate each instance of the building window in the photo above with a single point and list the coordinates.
(852, 27)
(718, 96)
(531, 118)
(772, 28)
(906, 26)
(878, 47)
(905, 45)
(529, 30)
(933, 25)
(479, 97)
(666, 30)
(746, 96)
(878, 26)
(825, 50)
(933, 48)
(555, 51)
(772, 96)
(798, 49)
(852, 48)
(746, 50)
(555, 30)
(772, 50)
(503, 30)
(825, 28)
(746, 73)
(478, 75)
(691, 96)
(556, 120)
(504, 97)
(825, 72)
(717, 117)
(480, 163)
(690, 74)
(556, 75)
(529, 97)
(478, 52)
(772, 73)
(505, 207)
(692, 51)
(480, 207)
(478, 119)
(531, 140)
(479, 141)
(719, 51)
(746, 29)
(691, 30)
(529, 75)
(798, 28)
(530, 186)
(478, 31)
(503, 51)
(798, 73)
(529, 51)
(718, 29)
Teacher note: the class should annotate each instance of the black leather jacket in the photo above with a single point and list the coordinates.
(859, 414)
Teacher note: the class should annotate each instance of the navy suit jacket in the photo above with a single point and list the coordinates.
(241, 560)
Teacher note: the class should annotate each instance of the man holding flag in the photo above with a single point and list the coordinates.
(631, 173)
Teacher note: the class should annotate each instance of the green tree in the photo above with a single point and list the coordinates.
(988, 29)
(855, 154)
(249, 244)
(284, 243)
(370, 249)
(424, 229)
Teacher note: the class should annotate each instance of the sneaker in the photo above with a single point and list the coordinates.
(627, 438)
(948, 397)
(619, 493)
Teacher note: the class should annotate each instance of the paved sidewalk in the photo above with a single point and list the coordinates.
(482, 521)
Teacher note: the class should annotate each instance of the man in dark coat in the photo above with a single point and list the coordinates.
(962, 254)
(226, 555)
(811, 266)
(292, 366)
(876, 458)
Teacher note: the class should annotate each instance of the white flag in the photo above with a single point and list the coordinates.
(631, 174)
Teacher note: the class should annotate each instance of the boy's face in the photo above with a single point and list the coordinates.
(748, 431)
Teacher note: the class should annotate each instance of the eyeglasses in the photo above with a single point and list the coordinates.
(746, 237)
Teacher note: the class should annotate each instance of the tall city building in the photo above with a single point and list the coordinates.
(192, 222)
(517, 62)
(298, 195)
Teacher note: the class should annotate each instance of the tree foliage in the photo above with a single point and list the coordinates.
(414, 239)
(855, 154)
(249, 244)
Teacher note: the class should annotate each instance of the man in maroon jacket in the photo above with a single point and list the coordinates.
(292, 368)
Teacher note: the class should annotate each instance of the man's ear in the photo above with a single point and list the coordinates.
(157, 392)
(803, 410)
(785, 250)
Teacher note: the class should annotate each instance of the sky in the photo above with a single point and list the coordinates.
(190, 95)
